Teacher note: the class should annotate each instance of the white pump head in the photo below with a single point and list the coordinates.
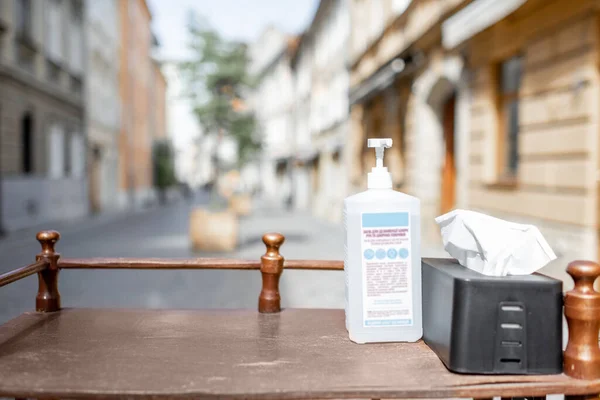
(379, 177)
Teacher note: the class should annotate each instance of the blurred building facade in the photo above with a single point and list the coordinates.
(400, 89)
(158, 105)
(305, 167)
(42, 109)
(329, 105)
(493, 106)
(138, 91)
(533, 117)
(184, 128)
(103, 111)
(273, 102)
(302, 105)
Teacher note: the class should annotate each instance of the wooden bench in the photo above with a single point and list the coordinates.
(244, 354)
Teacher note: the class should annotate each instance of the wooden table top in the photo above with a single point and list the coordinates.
(298, 353)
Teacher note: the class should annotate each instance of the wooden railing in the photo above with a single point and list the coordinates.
(22, 272)
(194, 263)
(582, 304)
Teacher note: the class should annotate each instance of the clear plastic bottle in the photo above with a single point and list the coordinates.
(382, 265)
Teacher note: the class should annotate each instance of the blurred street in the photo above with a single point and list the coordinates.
(124, 123)
(96, 132)
(163, 232)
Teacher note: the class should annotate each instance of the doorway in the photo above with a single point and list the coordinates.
(448, 191)
(95, 180)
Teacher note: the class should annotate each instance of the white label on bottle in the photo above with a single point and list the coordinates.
(386, 269)
(346, 274)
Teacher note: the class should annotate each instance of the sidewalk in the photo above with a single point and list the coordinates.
(163, 232)
(72, 226)
(306, 237)
(14, 238)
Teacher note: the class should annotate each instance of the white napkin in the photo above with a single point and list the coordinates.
(493, 246)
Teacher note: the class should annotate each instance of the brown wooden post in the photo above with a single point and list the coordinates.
(271, 267)
(582, 310)
(48, 298)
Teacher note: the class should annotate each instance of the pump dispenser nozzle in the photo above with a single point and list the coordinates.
(379, 177)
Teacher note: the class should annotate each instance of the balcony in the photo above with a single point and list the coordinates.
(53, 72)
(76, 85)
(24, 37)
(25, 55)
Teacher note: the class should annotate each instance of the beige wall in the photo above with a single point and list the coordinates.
(28, 87)
(383, 116)
(17, 99)
(558, 130)
(555, 187)
(125, 95)
(136, 80)
(160, 92)
(401, 31)
(142, 78)
(24, 89)
(388, 113)
(442, 77)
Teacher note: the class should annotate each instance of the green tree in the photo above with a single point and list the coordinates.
(163, 161)
(217, 80)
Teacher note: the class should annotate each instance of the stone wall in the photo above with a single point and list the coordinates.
(555, 187)
(32, 198)
(29, 201)
(18, 98)
(438, 81)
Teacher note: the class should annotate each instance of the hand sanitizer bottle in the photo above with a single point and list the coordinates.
(383, 260)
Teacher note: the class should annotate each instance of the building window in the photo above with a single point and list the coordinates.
(25, 57)
(27, 144)
(508, 106)
(66, 153)
(77, 11)
(24, 18)
(54, 31)
(24, 47)
(316, 176)
(76, 85)
(77, 155)
(53, 72)
(56, 150)
(76, 37)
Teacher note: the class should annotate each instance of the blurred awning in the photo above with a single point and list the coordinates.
(474, 18)
(384, 77)
(307, 155)
(279, 152)
(335, 146)
(283, 159)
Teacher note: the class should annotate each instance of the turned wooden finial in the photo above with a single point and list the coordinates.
(48, 240)
(582, 310)
(48, 297)
(271, 267)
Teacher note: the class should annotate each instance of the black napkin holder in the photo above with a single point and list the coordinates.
(478, 324)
